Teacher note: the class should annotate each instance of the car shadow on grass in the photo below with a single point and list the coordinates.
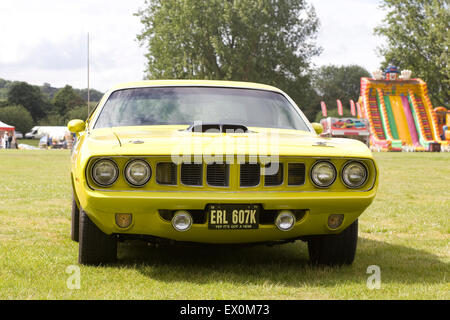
(286, 265)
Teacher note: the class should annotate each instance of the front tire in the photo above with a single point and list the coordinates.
(336, 249)
(95, 247)
(74, 232)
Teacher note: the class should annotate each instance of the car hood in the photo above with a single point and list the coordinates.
(175, 140)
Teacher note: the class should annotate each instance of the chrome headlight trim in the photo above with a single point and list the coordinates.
(126, 174)
(343, 177)
(116, 176)
(315, 182)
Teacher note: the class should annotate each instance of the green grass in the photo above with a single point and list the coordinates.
(31, 142)
(405, 232)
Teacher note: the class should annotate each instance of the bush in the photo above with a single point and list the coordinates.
(17, 116)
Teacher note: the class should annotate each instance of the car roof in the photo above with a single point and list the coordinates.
(202, 83)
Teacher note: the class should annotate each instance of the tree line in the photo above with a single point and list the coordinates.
(24, 105)
(274, 41)
(265, 41)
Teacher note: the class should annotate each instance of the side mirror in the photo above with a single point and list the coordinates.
(317, 127)
(76, 126)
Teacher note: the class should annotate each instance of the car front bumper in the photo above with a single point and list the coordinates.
(101, 207)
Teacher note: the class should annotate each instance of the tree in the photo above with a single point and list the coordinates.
(28, 96)
(52, 119)
(80, 112)
(265, 41)
(18, 117)
(66, 99)
(3, 83)
(94, 95)
(338, 82)
(418, 38)
(48, 90)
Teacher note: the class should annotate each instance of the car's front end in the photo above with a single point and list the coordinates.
(248, 184)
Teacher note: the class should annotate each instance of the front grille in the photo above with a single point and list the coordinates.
(220, 175)
(166, 173)
(250, 175)
(217, 175)
(296, 174)
(276, 178)
(191, 174)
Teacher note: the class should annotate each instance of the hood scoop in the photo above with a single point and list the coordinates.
(218, 128)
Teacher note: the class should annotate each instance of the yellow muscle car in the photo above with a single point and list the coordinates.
(215, 162)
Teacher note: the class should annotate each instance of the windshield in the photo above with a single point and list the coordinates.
(186, 105)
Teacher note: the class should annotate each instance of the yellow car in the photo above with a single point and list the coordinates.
(215, 162)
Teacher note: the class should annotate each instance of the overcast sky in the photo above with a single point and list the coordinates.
(45, 41)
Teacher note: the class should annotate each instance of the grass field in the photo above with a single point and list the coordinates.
(31, 142)
(405, 232)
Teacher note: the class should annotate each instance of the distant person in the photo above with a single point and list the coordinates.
(10, 139)
(49, 141)
(444, 128)
(5, 140)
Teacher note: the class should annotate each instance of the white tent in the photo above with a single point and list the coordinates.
(6, 127)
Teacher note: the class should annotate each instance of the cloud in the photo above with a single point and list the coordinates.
(346, 32)
(45, 40)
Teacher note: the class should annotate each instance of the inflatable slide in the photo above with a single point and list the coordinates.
(399, 113)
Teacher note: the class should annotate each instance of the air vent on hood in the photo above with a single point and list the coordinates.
(218, 127)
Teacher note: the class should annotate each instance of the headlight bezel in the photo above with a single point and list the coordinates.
(364, 166)
(126, 176)
(311, 174)
(111, 161)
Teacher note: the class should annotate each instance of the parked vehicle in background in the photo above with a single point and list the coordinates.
(32, 134)
(19, 135)
(55, 131)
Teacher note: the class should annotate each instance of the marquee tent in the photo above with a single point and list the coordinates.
(6, 127)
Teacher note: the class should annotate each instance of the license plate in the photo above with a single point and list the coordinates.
(233, 216)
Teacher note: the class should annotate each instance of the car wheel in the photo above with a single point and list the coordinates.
(74, 233)
(336, 249)
(95, 247)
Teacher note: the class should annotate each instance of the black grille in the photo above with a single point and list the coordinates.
(250, 174)
(166, 173)
(217, 175)
(275, 179)
(191, 174)
(296, 174)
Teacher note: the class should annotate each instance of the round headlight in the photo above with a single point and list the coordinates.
(323, 174)
(138, 172)
(354, 174)
(105, 172)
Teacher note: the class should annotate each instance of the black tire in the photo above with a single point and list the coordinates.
(334, 250)
(95, 247)
(74, 232)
